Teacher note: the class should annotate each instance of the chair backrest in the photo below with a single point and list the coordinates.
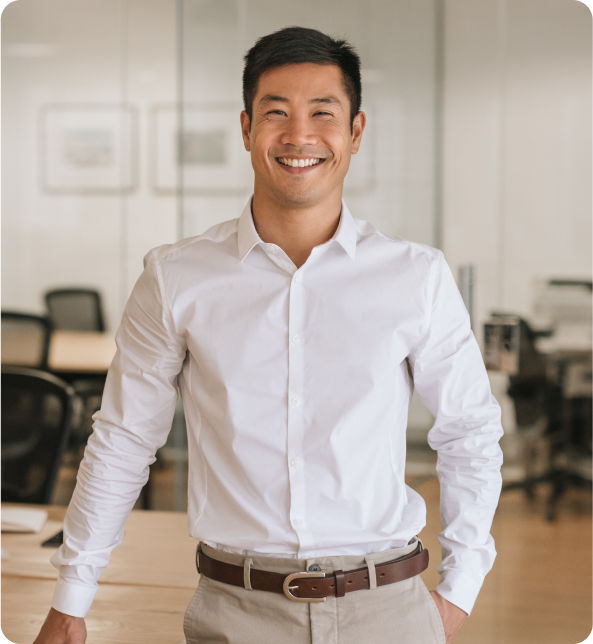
(25, 339)
(36, 421)
(533, 395)
(75, 309)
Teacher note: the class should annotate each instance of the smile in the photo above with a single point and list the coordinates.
(299, 163)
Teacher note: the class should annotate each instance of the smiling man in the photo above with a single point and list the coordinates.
(296, 334)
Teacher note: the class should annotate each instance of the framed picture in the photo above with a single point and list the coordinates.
(88, 148)
(199, 149)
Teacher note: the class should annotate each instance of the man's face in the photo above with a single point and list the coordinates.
(300, 137)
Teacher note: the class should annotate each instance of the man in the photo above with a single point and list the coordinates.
(295, 334)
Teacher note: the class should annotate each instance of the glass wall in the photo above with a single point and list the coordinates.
(81, 82)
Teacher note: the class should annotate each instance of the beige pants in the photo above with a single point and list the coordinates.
(400, 613)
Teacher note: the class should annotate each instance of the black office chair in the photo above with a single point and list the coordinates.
(543, 412)
(572, 463)
(36, 420)
(75, 309)
(25, 339)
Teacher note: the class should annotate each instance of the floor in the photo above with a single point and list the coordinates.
(540, 588)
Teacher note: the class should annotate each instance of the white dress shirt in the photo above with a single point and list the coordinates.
(296, 386)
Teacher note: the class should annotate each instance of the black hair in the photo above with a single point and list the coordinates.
(294, 45)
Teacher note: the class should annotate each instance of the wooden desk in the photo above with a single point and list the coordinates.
(143, 593)
(81, 351)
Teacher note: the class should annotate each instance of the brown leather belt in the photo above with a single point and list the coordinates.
(314, 586)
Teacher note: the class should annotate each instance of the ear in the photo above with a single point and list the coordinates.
(245, 127)
(360, 120)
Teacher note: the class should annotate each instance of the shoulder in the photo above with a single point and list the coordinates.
(193, 245)
(395, 247)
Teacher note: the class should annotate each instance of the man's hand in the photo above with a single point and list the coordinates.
(451, 615)
(59, 628)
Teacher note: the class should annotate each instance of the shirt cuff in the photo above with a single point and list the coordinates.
(459, 589)
(72, 599)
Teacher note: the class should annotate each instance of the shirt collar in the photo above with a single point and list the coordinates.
(345, 235)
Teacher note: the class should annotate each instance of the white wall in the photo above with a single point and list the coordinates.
(74, 52)
(517, 146)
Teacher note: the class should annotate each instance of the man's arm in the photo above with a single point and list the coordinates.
(451, 380)
(134, 421)
(61, 629)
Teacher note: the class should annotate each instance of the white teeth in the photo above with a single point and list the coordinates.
(298, 163)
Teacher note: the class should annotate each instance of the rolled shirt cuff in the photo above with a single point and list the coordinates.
(459, 589)
(73, 599)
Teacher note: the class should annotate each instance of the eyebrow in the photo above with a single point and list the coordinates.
(274, 98)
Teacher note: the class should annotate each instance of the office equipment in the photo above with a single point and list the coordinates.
(75, 309)
(36, 421)
(565, 306)
(54, 542)
(16, 519)
(25, 339)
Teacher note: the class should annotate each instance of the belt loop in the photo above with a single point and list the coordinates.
(198, 551)
(372, 573)
(340, 583)
(247, 573)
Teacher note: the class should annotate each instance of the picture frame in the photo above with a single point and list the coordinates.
(88, 148)
(198, 149)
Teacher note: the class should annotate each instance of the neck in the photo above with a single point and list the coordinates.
(296, 230)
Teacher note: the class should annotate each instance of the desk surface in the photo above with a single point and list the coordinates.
(142, 594)
(156, 551)
(87, 352)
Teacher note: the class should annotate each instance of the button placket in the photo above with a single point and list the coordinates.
(296, 406)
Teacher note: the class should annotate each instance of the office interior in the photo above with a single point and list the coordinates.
(120, 132)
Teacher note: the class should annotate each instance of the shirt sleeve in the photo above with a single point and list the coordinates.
(452, 382)
(133, 422)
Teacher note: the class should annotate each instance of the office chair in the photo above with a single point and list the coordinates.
(573, 462)
(75, 309)
(538, 407)
(36, 420)
(25, 339)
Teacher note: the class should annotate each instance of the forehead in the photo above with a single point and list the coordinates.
(303, 80)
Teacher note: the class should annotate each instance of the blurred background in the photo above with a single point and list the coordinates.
(120, 132)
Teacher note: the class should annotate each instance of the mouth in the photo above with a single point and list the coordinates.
(299, 165)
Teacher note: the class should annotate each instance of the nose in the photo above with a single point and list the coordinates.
(298, 131)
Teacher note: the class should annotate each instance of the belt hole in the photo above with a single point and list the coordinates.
(382, 574)
(314, 587)
(331, 586)
(349, 582)
(366, 577)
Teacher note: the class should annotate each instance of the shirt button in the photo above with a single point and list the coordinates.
(298, 278)
(296, 339)
(295, 462)
(297, 522)
(296, 401)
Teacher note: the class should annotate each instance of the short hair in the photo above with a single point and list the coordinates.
(294, 45)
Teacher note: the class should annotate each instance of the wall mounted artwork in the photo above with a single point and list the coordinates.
(199, 149)
(88, 148)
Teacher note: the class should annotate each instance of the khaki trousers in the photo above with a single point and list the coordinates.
(400, 613)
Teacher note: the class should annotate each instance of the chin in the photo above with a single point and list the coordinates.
(300, 197)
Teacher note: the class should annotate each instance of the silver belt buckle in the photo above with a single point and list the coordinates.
(302, 575)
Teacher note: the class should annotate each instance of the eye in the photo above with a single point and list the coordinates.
(323, 114)
(276, 113)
